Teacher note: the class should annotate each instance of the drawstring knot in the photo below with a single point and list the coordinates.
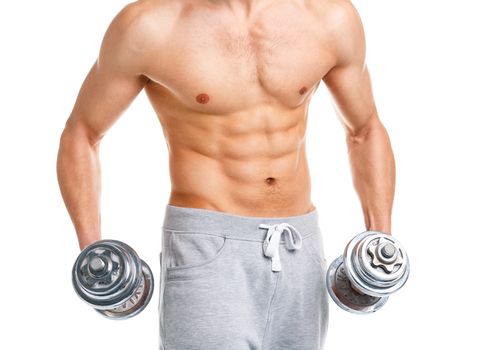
(292, 238)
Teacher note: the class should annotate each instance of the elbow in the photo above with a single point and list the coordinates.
(76, 132)
(358, 134)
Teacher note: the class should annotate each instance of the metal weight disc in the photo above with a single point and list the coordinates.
(344, 295)
(138, 301)
(106, 274)
(376, 263)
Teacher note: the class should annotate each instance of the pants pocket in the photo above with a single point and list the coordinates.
(188, 252)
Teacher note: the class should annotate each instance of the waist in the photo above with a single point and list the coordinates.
(232, 225)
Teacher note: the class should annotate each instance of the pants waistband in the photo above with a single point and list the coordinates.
(232, 225)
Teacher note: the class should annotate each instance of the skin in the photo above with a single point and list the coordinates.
(230, 82)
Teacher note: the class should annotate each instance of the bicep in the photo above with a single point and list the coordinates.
(349, 81)
(113, 81)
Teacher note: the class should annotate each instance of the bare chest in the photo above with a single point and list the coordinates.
(218, 64)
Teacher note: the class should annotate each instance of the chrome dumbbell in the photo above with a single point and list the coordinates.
(109, 276)
(373, 266)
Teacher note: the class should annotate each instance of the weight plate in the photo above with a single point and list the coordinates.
(345, 296)
(360, 269)
(138, 301)
(106, 274)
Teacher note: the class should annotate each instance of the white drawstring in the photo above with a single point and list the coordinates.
(292, 238)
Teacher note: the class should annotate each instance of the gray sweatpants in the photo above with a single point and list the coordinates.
(231, 282)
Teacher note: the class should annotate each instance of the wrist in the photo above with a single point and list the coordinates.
(86, 241)
(383, 226)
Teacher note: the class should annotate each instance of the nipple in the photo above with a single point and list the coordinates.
(202, 98)
(303, 90)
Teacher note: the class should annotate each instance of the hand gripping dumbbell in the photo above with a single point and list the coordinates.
(109, 276)
(373, 266)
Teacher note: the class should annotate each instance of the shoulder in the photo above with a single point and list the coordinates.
(135, 31)
(143, 18)
(343, 11)
(337, 14)
(343, 29)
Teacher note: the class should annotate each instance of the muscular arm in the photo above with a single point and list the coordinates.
(369, 149)
(111, 85)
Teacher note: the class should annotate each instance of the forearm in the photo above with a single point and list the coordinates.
(373, 173)
(78, 171)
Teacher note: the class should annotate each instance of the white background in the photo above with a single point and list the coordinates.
(428, 65)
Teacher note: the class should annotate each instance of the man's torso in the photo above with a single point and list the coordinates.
(231, 88)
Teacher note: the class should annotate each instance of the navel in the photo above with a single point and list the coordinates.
(202, 98)
(303, 90)
(270, 180)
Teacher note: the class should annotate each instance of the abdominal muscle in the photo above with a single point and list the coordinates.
(250, 163)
